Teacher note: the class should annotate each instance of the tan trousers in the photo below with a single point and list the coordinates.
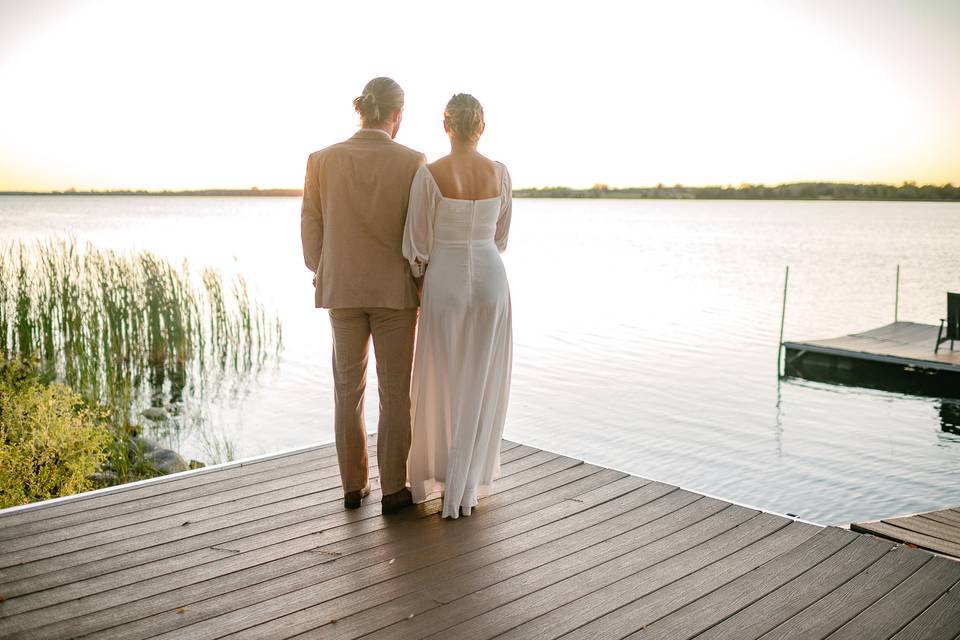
(394, 333)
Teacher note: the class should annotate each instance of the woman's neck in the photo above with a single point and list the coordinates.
(462, 148)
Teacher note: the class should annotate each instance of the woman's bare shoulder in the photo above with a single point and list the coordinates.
(447, 162)
(439, 167)
(484, 160)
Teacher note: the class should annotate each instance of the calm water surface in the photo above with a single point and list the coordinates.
(645, 332)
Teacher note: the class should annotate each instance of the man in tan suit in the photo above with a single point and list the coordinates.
(354, 209)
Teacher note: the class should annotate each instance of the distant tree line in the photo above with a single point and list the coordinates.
(143, 192)
(792, 191)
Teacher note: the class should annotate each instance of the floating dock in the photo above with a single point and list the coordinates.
(264, 549)
(937, 531)
(896, 357)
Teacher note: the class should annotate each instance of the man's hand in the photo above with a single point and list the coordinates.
(314, 281)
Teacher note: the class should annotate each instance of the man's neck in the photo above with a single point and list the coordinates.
(385, 128)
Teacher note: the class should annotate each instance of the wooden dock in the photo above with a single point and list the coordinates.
(264, 549)
(937, 531)
(897, 357)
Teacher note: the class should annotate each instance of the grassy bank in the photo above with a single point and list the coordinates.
(134, 336)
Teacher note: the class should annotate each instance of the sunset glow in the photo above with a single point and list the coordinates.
(105, 94)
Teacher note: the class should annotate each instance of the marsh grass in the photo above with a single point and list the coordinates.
(130, 331)
(217, 447)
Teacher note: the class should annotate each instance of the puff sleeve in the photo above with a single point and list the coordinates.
(418, 230)
(506, 210)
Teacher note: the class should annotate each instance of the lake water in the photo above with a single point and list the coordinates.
(645, 336)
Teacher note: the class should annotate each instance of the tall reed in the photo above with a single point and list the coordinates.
(130, 330)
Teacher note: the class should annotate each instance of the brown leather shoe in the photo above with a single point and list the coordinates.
(396, 501)
(352, 499)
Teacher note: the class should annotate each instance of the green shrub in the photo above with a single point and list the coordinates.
(50, 443)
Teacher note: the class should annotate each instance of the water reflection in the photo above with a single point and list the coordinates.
(644, 335)
(882, 376)
(950, 417)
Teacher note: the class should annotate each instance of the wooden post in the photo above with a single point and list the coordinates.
(896, 300)
(783, 315)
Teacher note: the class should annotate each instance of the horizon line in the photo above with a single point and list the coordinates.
(599, 186)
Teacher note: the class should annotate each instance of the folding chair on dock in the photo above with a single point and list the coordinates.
(952, 322)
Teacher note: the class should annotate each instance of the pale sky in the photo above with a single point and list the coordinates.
(201, 94)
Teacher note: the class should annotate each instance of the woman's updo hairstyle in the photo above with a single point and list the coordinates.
(381, 97)
(464, 117)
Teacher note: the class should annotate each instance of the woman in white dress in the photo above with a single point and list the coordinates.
(457, 224)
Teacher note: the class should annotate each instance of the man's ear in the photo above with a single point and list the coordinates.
(397, 118)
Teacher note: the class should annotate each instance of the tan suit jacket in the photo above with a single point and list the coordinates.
(351, 223)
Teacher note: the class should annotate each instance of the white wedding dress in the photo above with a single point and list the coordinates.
(461, 371)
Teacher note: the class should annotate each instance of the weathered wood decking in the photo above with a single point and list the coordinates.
(906, 343)
(898, 356)
(264, 549)
(937, 531)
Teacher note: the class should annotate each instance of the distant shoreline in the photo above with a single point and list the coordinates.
(907, 191)
(268, 193)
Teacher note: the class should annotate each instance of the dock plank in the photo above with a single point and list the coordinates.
(174, 559)
(264, 549)
(142, 496)
(159, 543)
(903, 342)
(209, 534)
(664, 510)
(897, 357)
(599, 601)
(940, 620)
(796, 541)
(148, 506)
(726, 613)
(338, 597)
(201, 583)
(947, 517)
(157, 486)
(406, 551)
(896, 609)
(173, 514)
(500, 606)
(832, 611)
(927, 527)
(942, 539)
